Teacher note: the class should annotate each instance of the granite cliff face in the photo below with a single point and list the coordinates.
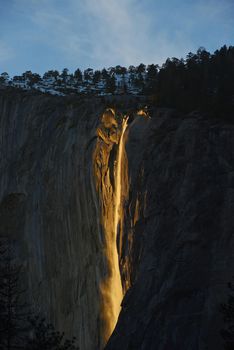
(49, 205)
(173, 226)
(179, 220)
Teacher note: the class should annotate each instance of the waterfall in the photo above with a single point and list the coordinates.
(117, 292)
(118, 177)
(111, 287)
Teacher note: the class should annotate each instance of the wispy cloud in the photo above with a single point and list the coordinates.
(6, 52)
(99, 33)
(118, 30)
(104, 31)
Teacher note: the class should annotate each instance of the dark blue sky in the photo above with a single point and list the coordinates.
(39, 35)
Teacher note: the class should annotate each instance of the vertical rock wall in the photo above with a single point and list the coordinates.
(58, 169)
(175, 233)
(49, 207)
(178, 235)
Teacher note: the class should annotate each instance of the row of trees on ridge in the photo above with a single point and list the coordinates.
(203, 81)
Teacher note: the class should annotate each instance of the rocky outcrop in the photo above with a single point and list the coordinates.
(59, 158)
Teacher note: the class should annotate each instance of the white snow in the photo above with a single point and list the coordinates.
(124, 83)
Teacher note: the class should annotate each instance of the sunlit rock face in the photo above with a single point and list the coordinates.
(178, 233)
(107, 171)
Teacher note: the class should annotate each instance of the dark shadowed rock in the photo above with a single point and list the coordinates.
(181, 175)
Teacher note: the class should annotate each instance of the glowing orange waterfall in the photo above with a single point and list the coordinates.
(111, 288)
(118, 178)
(117, 287)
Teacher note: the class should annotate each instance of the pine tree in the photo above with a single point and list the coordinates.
(19, 329)
(97, 76)
(111, 84)
(64, 75)
(4, 77)
(44, 336)
(78, 74)
(88, 74)
(13, 310)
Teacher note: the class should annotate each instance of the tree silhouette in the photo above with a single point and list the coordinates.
(96, 76)
(110, 84)
(44, 336)
(13, 310)
(4, 77)
(78, 74)
(228, 312)
(19, 328)
(64, 75)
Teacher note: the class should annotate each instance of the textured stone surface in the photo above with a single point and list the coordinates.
(49, 205)
(175, 239)
(180, 223)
